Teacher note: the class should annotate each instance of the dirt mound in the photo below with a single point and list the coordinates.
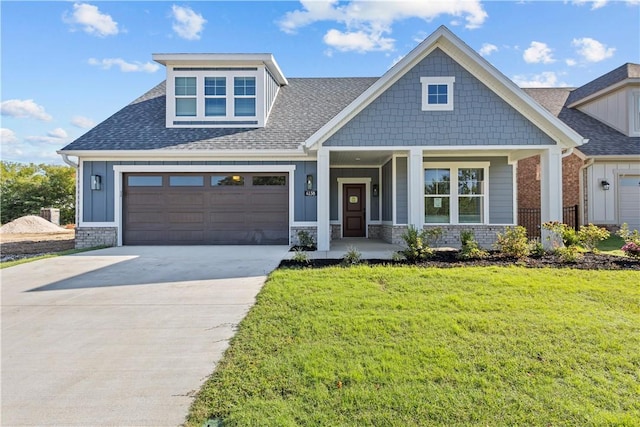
(30, 224)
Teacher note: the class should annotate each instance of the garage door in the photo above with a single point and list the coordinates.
(629, 193)
(206, 209)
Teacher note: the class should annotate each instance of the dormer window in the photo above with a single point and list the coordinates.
(220, 90)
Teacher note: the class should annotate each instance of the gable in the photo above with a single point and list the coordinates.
(479, 116)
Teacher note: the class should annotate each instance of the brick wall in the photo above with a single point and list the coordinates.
(90, 237)
(529, 181)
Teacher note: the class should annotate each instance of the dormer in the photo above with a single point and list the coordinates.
(613, 99)
(211, 90)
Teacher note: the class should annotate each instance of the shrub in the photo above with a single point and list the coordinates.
(352, 256)
(470, 248)
(568, 235)
(417, 248)
(300, 257)
(536, 248)
(632, 241)
(305, 240)
(590, 235)
(514, 242)
(568, 253)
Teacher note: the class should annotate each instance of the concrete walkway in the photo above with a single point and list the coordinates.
(121, 336)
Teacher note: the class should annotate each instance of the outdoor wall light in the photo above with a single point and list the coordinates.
(309, 182)
(96, 182)
(605, 184)
(374, 190)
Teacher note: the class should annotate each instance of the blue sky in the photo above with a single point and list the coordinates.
(67, 66)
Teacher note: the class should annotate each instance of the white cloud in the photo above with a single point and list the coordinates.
(82, 122)
(57, 133)
(544, 79)
(592, 50)
(188, 24)
(92, 20)
(487, 49)
(45, 139)
(358, 41)
(396, 60)
(595, 4)
(23, 109)
(368, 23)
(7, 136)
(571, 62)
(538, 52)
(125, 67)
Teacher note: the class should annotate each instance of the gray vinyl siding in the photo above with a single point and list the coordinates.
(336, 173)
(479, 116)
(500, 186)
(98, 206)
(402, 191)
(271, 91)
(386, 191)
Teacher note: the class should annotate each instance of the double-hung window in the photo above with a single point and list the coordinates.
(215, 96)
(455, 193)
(244, 91)
(186, 96)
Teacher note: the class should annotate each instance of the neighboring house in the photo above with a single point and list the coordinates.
(229, 151)
(601, 177)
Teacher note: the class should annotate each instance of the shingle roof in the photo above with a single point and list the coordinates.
(603, 140)
(621, 73)
(301, 108)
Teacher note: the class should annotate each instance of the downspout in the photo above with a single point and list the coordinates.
(567, 153)
(586, 164)
(65, 158)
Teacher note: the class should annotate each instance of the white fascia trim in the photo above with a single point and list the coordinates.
(223, 59)
(367, 184)
(467, 58)
(194, 155)
(98, 224)
(604, 91)
(630, 158)
(119, 170)
(429, 148)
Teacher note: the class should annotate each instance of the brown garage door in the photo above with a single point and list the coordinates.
(206, 209)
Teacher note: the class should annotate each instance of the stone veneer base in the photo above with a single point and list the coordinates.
(90, 237)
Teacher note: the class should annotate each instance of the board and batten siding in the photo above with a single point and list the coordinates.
(271, 91)
(402, 191)
(612, 109)
(386, 187)
(602, 205)
(98, 206)
(479, 116)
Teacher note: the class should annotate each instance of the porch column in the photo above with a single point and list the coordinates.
(550, 191)
(324, 230)
(416, 190)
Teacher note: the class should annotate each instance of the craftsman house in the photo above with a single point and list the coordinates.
(227, 150)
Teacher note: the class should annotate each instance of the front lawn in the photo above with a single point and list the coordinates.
(403, 346)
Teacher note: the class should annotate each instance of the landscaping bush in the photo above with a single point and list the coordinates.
(631, 246)
(470, 248)
(417, 248)
(590, 235)
(514, 242)
(301, 257)
(352, 257)
(305, 240)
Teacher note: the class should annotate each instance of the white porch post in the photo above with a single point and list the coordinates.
(324, 230)
(550, 191)
(416, 191)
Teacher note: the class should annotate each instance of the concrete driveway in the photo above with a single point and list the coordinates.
(121, 336)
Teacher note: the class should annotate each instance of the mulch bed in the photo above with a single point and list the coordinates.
(448, 259)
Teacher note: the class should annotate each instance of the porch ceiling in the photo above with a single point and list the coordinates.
(357, 158)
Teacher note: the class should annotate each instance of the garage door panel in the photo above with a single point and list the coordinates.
(629, 205)
(220, 214)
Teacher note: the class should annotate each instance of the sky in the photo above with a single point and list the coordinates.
(66, 66)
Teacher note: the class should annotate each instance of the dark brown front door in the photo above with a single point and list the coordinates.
(353, 210)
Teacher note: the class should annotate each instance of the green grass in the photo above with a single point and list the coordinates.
(408, 346)
(7, 264)
(612, 245)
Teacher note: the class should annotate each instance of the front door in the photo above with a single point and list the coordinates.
(353, 210)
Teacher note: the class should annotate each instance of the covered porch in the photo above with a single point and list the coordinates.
(375, 193)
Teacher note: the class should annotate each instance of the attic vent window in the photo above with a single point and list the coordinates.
(437, 93)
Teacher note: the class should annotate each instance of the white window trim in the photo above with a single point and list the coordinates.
(225, 97)
(210, 121)
(426, 81)
(453, 196)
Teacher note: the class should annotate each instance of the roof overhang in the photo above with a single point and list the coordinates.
(469, 59)
(223, 60)
(177, 154)
(607, 90)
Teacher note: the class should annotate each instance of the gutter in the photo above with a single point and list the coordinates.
(65, 158)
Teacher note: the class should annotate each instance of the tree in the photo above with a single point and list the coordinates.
(24, 189)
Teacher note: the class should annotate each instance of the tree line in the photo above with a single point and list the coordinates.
(25, 188)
